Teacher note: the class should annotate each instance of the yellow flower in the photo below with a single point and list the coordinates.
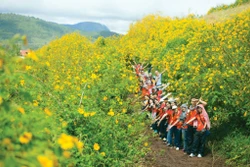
(92, 113)
(111, 112)
(45, 161)
(221, 87)
(66, 142)
(96, 147)
(1, 63)
(32, 55)
(93, 76)
(105, 98)
(86, 114)
(79, 145)
(66, 154)
(47, 111)
(47, 63)
(103, 154)
(215, 118)
(21, 110)
(215, 108)
(116, 121)
(146, 144)
(124, 110)
(1, 100)
(129, 126)
(80, 110)
(22, 82)
(27, 67)
(35, 103)
(25, 138)
(245, 114)
(56, 87)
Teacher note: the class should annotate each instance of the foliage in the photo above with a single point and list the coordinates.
(40, 112)
(202, 60)
(224, 7)
(235, 148)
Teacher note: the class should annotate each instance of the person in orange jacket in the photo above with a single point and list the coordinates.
(175, 128)
(190, 128)
(163, 122)
(203, 124)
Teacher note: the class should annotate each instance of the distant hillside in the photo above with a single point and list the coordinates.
(40, 32)
(224, 6)
(106, 34)
(88, 27)
(222, 15)
(93, 29)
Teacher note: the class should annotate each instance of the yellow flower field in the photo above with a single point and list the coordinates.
(69, 103)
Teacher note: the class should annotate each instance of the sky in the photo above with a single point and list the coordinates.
(117, 15)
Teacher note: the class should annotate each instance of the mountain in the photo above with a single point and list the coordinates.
(95, 29)
(106, 34)
(89, 27)
(40, 32)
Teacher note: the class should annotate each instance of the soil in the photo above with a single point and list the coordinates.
(161, 155)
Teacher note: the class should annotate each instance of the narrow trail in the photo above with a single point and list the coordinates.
(163, 156)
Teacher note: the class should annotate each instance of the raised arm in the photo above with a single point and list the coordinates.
(164, 97)
(202, 102)
(163, 71)
(134, 61)
(165, 86)
(145, 66)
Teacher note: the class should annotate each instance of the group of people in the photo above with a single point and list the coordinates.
(178, 125)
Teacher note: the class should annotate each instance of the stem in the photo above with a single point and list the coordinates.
(82, 95)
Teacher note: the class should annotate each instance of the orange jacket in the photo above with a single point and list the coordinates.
(191, 115)
(170, 115)
(176, 116)
(200, 122)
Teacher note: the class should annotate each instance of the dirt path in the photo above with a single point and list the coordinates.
(163, 156)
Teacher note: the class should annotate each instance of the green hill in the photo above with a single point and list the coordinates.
(92, 29)
(88, 26)
(38, 32)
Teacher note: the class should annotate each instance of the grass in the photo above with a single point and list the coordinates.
(223, 15)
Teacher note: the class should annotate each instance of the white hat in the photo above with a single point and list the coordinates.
(174, 107)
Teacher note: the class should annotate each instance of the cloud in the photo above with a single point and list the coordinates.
(117, 15)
